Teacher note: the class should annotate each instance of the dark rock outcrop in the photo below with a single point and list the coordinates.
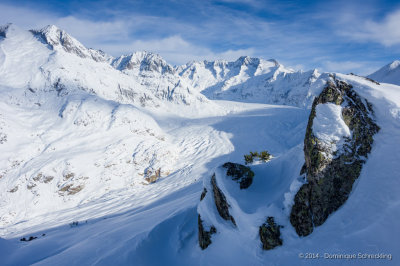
(240, 173)
(270, 234)
(203, 194)
(330, 179)
(204, 235)
(220, 202)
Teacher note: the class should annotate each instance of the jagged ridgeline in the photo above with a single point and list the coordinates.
(331, 172)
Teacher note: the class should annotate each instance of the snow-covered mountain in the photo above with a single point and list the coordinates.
(253, 80)
(54, 60)
(388, 74)
(121, 161)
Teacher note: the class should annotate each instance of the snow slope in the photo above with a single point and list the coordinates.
(388, 74)
(74, 129)
(80, 131)
(165, 231)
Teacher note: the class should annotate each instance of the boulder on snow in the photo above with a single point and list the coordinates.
(240, 173)
(270, 234)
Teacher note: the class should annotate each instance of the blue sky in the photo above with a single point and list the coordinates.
(343, 36)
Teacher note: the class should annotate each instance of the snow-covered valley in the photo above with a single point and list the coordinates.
(103, 160)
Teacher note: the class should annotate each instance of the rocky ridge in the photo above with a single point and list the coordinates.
(330, 174)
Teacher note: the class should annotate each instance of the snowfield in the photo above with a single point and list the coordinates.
(103, 159)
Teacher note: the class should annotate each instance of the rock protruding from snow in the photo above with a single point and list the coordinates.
(334, 157)
(203, 234)
(221, 202)
(388, 74)
(240, 173)
(270, 234)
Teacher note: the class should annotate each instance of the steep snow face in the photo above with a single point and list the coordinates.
(388, 74)
(253, 80)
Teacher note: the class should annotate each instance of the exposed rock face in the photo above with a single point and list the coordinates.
(220, 202)
(270, 234)
(331, 175)
(204, 235)
(240, 173)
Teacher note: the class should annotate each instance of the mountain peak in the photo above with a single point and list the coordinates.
(247, 60)
(57, 38)
(390, 73)
(142, 61)
(394, 64)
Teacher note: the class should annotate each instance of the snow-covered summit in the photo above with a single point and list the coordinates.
(59, 39)
(142, 61)
(388, 74)
(51, 60)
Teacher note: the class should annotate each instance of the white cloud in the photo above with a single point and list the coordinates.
(361, 68)
(385, 32)
(225, 35)
(86, 31)
(114, 37)
(176, 50)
